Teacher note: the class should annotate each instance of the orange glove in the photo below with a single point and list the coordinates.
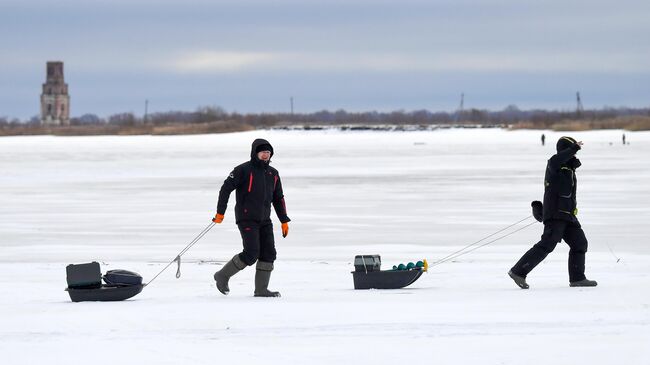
(285, 229)
(218, 218)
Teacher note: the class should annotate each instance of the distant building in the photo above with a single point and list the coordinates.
(55, 101)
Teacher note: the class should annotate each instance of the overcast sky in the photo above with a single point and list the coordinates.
(252, 56)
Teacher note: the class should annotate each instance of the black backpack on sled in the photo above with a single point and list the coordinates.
(122, 278)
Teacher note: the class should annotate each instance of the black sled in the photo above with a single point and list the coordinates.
(85, 283)
(367, 274)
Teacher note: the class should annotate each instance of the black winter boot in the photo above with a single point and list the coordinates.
(519, 280)
(222, 276)
(585, 282)
(262, 278)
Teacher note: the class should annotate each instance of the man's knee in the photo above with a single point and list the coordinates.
(268, 255)
(249, 257)
(545, 246)
(552, 235)
(576, 240)
(548, 242)
(267, 244)
(579, 246)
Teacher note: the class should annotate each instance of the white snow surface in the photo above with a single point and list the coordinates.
(134, 202)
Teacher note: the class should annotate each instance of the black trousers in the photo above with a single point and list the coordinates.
(258, 242)
(554, 232)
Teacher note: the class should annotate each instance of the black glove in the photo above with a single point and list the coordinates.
(538, 210)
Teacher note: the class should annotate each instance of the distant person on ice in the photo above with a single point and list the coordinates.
(258, 187)
(560, 221)
(543, 139)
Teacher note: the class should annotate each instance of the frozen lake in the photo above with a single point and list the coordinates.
(135, 202)
(139, 198)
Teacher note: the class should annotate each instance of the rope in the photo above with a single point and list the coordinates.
(618, 259)
(467, 249)
(177, 259)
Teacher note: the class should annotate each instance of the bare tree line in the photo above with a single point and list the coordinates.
(214, 119)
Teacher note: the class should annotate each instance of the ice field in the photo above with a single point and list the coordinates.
(134, 202)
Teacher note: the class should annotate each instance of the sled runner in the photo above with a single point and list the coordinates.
(85, 283)
(105, 293)
(367, 274)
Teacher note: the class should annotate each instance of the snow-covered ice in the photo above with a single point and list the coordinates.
(135, 202)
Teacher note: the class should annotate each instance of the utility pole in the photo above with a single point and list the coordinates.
(579, 108)
(461, 108)
(146, 110)
(291, 102)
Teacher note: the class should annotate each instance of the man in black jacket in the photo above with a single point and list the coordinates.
(257, 186)
(560, 221)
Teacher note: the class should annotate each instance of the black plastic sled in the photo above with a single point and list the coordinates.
(105, 293)
(85, 283)
(367, 274)
(387, 279)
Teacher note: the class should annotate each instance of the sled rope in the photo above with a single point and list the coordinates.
(487, 243)
(177, 259)
(618, 259)
(472, 247)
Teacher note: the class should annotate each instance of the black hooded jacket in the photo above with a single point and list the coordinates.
(560, 183)
(258, 187)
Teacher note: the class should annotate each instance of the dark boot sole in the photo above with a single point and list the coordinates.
(270, 295)
(583, 285)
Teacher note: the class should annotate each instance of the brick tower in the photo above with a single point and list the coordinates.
(55, 101)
